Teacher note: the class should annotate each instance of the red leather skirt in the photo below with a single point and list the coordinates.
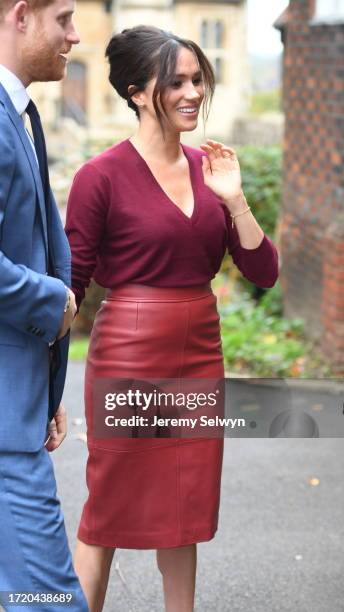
(152, 492)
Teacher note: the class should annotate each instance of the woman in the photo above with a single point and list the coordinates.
(150, 220)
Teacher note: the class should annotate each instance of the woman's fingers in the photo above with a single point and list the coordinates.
(218, 148)
(207, 147)
(218, 152)
(213, 154)
(215, 151)
(209, 150)
(219, 145)
(216, 143)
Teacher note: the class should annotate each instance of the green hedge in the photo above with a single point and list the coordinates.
(257, 340)
(261, 169)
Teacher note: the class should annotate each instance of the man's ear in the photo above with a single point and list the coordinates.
(138, 97)
(20, 14)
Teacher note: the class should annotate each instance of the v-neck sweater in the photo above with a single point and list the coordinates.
(123, 228)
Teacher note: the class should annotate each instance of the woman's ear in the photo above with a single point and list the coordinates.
(138, 97)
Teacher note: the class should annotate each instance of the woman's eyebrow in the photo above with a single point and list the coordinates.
(198, 73)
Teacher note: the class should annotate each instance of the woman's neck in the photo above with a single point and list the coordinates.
(153, 145)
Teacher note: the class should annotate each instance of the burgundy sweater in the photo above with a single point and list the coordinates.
(123, 228)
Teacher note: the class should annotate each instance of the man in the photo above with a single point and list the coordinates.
(36, 311)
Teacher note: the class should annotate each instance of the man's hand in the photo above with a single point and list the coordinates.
(57, 429)
(68, 316)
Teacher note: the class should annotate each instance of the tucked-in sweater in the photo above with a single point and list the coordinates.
(123, 228)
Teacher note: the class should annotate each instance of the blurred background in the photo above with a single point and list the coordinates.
(279, 101)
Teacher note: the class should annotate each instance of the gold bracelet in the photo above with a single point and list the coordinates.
(238, 214)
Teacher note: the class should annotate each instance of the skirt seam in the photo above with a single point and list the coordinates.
(147, 448)
(156, 301)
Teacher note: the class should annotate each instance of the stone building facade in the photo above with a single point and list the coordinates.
(218, 26)
(312, 226)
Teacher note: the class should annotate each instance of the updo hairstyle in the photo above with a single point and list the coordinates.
(138, 54)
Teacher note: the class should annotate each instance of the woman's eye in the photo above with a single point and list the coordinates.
(177, 84)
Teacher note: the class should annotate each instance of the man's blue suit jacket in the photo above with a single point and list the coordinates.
(31, 302)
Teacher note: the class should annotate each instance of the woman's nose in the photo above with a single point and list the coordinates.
(192, 93)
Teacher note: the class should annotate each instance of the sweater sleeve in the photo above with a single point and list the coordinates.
(86, 224)
(259, 265)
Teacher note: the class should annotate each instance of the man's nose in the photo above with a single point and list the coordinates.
(73, 37)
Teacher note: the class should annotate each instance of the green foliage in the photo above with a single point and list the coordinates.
(272, 302)
(256, 340)
(266, 102)
(78, 349)
(261, 169)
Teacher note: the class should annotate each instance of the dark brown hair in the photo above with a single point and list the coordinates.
(138, 54)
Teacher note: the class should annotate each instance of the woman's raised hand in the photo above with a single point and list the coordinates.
(221, 172)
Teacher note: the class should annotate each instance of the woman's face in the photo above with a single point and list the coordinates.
(183, 98)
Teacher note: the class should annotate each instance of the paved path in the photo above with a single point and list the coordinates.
(280, 544)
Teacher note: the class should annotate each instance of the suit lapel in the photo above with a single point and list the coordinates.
(19, 126)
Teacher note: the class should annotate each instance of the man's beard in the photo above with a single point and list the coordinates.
(43, 62)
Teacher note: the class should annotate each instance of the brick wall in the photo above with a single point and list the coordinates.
(313, 193)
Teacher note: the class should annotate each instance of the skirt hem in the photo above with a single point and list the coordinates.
(148, 543)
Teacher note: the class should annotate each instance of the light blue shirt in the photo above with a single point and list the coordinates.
(15, 89)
